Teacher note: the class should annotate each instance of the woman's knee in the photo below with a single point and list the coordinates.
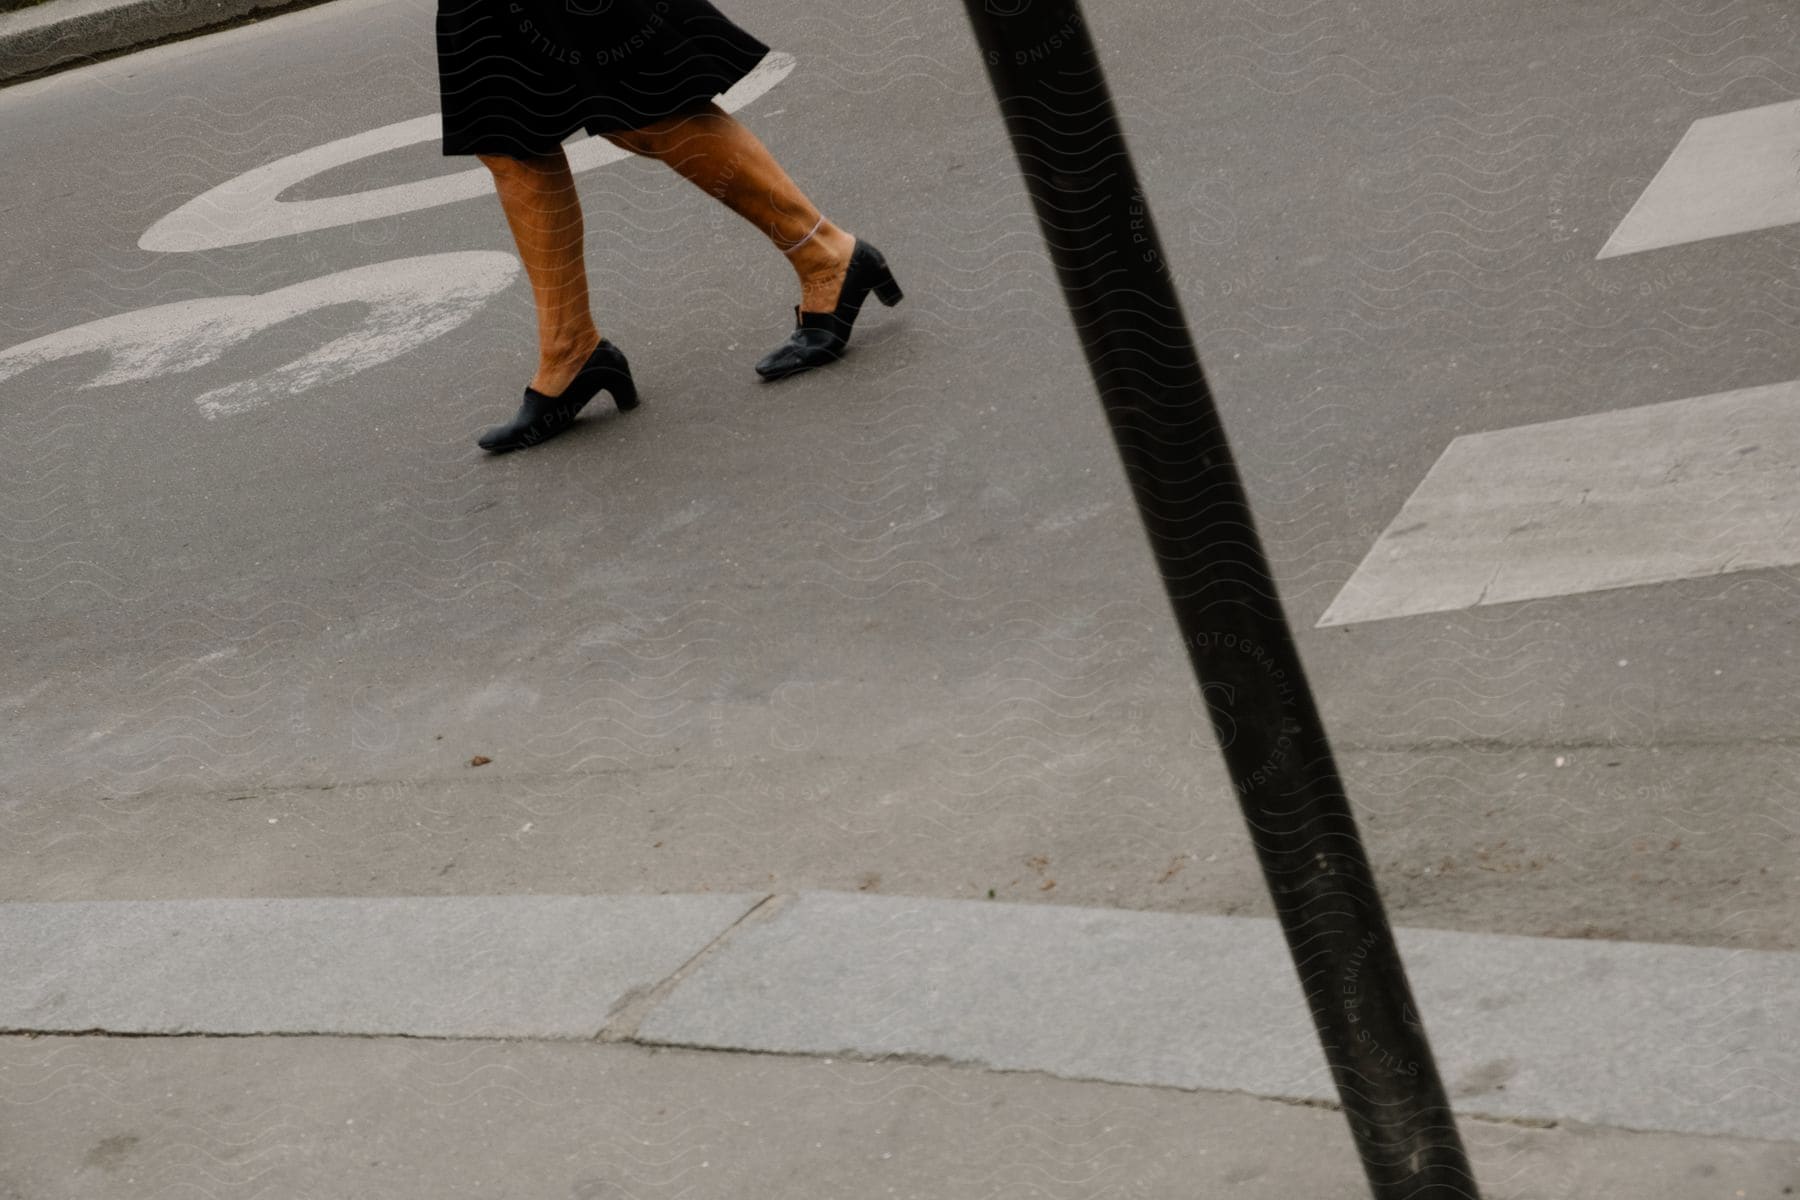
(659, 138)
(645, 142)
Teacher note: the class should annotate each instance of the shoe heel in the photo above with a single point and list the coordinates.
(618, 380)
(888, 292)
(624, 391)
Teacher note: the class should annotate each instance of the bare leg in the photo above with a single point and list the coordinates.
(719, 154)
(539, 197)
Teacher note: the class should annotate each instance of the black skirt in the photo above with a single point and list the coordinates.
(517, 77)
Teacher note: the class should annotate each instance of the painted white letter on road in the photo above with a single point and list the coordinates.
(410, 300)
(245, 209)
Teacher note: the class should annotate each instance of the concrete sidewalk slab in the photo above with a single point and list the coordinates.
(514, 966)
(1631, 1035)
(1162, 999)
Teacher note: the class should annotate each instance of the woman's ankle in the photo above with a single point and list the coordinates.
(576, 343)
(826, 253)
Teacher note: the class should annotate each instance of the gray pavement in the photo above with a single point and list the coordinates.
(892, 621)
(889, 628)
(282, 1117)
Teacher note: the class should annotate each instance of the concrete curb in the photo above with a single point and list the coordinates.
(1679, 1039)
(63, 34)
(543, 967)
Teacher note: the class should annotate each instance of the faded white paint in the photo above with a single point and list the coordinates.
(410, 302)
(1678, 490)
(246, 209)
(1735, 173)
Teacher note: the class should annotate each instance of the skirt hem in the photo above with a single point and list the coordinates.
(521, 85)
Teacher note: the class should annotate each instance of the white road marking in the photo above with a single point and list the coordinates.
(1678, 490)
(1735, 173)
(410, 302)
(246, 209)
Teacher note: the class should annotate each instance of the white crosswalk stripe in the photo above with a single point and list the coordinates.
(1730, 174)
(1669, 491)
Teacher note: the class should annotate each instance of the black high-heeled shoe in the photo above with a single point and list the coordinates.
(821, 338)
(541, 417)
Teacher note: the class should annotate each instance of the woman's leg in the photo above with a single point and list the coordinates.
(538, 195)
(719, 154)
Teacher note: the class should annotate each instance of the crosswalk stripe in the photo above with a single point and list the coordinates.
(1729, 174)
(1677, 490)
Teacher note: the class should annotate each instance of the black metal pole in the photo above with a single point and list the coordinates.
(1096, 222)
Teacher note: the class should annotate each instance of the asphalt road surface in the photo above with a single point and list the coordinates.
(893, 627)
